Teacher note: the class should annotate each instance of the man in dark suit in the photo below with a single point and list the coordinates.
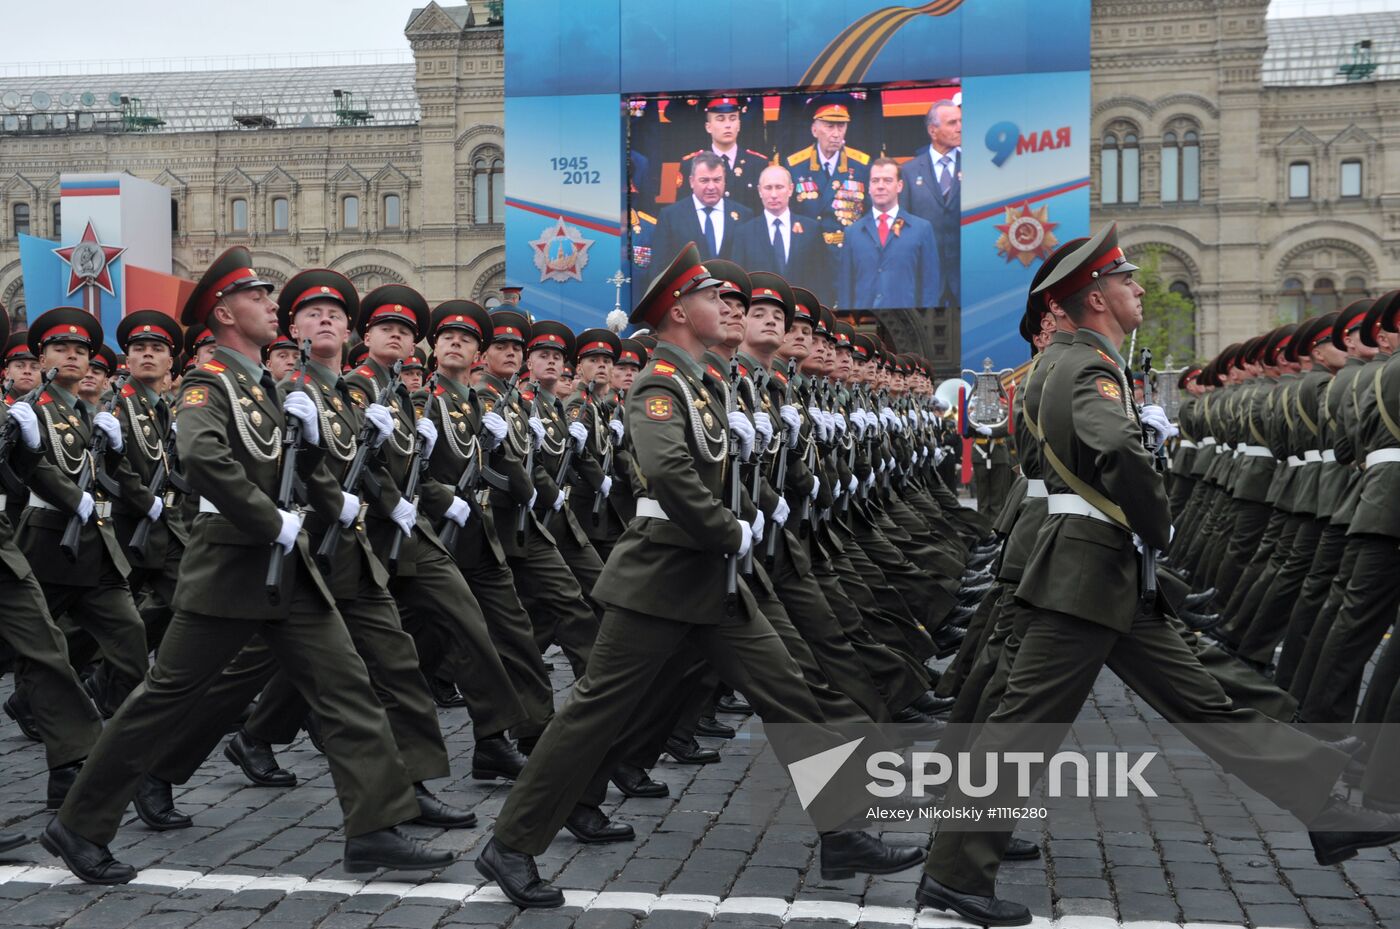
(786, 243)
(889, 258)
(933, 191)
(706, 217)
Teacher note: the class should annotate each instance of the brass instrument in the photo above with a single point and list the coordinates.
(989, 404)
(948, 393)
(1165, 390)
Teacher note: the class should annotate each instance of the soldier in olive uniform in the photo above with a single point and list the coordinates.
(230, 441)
(90, 585)
(1082, 584)
(598, 350)
(682, 536)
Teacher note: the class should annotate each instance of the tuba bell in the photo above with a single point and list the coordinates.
(947, 392)
(989, 404)
(1165, 390)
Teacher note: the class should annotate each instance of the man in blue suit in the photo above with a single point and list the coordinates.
(786, 243)
(889, 258)
(933, 191)
(707, 217)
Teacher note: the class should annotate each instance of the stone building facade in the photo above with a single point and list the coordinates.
(1260, 157)
(385, 172)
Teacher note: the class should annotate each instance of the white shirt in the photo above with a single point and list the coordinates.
(829, 166)
(892, 212)
(785, 229)
(716, 220)
(952, 154)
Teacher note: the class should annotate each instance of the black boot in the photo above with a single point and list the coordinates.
(17, 708)
(919, 725)
(636, 782)
(733, 703)
(156, 806)
(12, 840)
(947, 639)
(394, 851)
(92, 863)
(60, 782)
(515, 873)
(844, 854)
(1196, 601)
(433, 812)
(445, 693)
(984, 911)
(258, 762)
(932, 705)
(591, 827)
(712, 728)
(688, 751)
(495, 757)
(1341, 830)
(1021, 850)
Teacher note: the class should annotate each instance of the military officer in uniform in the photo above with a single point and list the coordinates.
(742, 166)
(830, 178)
(681, 537)
(281, 357)
(230, 441)
(600, 350)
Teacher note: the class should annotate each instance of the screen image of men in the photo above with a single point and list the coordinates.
(889, 259)
(787, 243)
(830, 177)
(741, 166)
(705, 217)
(933, 191)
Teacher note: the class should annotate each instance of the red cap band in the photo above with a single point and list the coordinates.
(548, 340)
(232, 278)
(595, 346)
(502, 331)
(317, 294)
(460, 320)
(628, 355)
(69, 329)
(393, 311)
(1086, 275)
(156, 331)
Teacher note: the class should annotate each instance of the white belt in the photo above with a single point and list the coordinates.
(1382, 456)
(1186, 443)
(1254, 451)
(1329, 454)
(1312, 454)
(1075, 505)
(1207, 441)
(1036, 488)
(101, 509)
(1294, 461)
(4, 501)
(648, 507)
(205, 506)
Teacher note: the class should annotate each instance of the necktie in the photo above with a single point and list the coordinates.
(162, 416)
(709, 231)
(83, 414)
(727, 164)
(883, 224)
(779, 253)
(945, 177)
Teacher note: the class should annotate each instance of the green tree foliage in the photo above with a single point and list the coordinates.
(1168, 318)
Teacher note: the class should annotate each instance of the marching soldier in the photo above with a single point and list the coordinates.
(597, 352)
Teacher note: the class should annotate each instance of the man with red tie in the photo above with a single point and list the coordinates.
(889, 258)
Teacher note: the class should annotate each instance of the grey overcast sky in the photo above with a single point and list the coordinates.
(90, 32)
(144, 34)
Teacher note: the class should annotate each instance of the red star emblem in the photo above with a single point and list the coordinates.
(1027, 235)
(89, 262)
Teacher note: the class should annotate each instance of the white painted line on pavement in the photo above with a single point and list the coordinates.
(641, 904)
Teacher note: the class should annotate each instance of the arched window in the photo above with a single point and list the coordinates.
(1181, 164)
(21, 218)
(57, 230)
(1324, 296)
(281, 214)
(1190, 166)
(393, 211)
(350, 212)
(1171, 168)
(1119, 164)
(1355, 289)
(1183, 289)
(1291, 302)
(238, 215)
(488, 190)
(1108, 169)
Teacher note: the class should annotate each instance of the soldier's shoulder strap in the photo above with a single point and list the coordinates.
(1391, 426)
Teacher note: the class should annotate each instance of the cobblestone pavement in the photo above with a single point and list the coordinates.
(269, 859)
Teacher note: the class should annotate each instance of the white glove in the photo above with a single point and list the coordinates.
(870, 479)
(108, 424)
(758, 527)
(818, 423)
(781, 512)
(580, 435)
(429, 434)
(495, 429)
(924, 455)
(793, 421)
(816, 486)
(1155, 418)
(618, 430)
(858, 420)
(852, 484)
(889, 465)
(405, 515)
(534, 495)
(739, 424)
(85, 505)
(983, 430)
(173, 424)
(763, 425)
(28, 422)
(383, 420)
(606, 488)
(291, 525)
(537, 428)
(746, 542)
(837, 489)
(558, 501)
(157, 507)
(459, 512)
(829, 425)
(299, 406)
(349, 509)
(838, 422)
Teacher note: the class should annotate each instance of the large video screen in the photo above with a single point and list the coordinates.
(852, 194)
